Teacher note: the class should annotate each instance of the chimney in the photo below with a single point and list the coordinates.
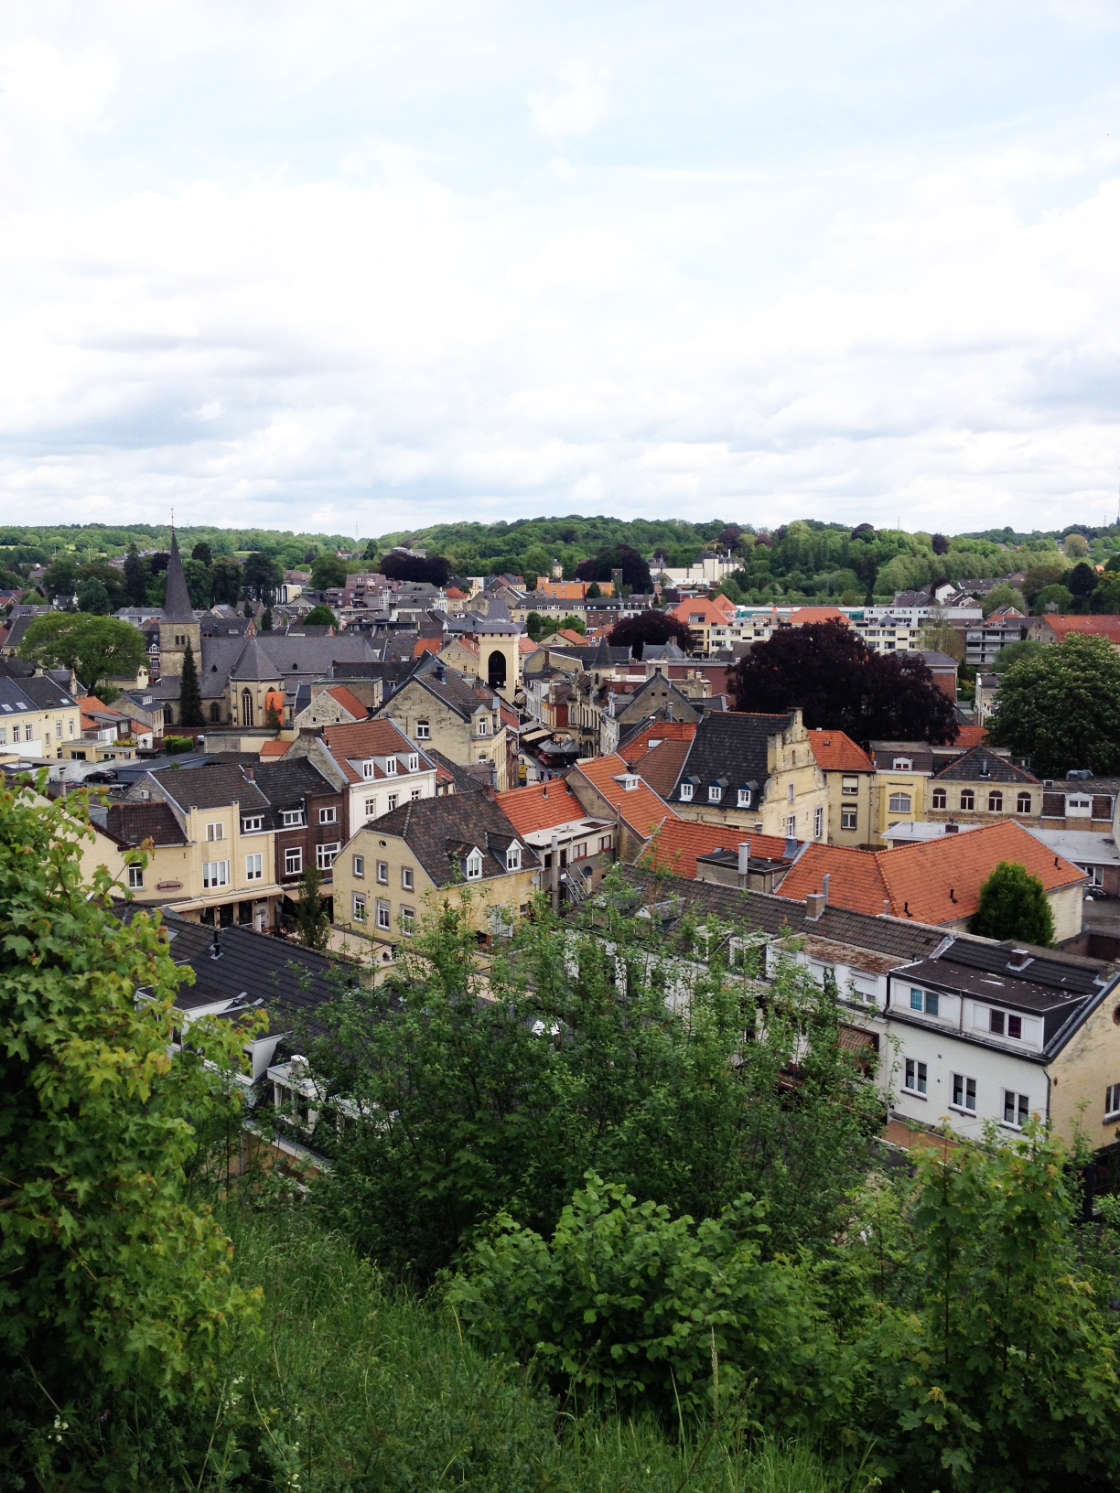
(216, 943)
(744, 861)
(952, 829)
(824, 886)
(248, 769)
(814, 906)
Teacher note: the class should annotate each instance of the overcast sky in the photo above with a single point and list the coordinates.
(368, 265)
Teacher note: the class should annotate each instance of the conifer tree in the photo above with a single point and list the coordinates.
(190, 696)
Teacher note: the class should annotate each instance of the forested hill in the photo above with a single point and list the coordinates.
(806, 559)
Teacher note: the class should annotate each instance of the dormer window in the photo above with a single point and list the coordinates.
(474, 865)
(903, 764)
(291, 818)
(686, 792)
(251, 823)
(513, 858)
(482, 725)
(367, 769)
(743, 798)
(390, 767)
(715, 793)
(414, 762)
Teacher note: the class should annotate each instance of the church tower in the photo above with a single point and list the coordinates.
(177, 627)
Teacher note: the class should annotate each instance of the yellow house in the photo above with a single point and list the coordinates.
(37, 717)
(902, 770)
(461, 850)
(758, 773)
(850, 775)
(439, 708)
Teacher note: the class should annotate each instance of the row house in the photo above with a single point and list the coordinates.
(372, 762)
(38, 716)
(460, 717)
(574, 848)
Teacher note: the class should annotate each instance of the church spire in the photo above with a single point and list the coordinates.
(177, 601)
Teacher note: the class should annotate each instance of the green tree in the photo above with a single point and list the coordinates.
(1003, 595)
(1076, 546)
(313, 919)
(1013, 904)
(575, 624)
(262, 576)
(60, 578)
(93, 598)
(1060, 708)
(266, 620)
(203, 553)
(1012, 652)
(200, 582)
(190, 696)
(226, 580)
(320, 616)
(535, 625)
(327, 571)
(110, 1276)
(136, 577)
(593, 592)
(96, 648)
(1054, 598)
(1048, 572)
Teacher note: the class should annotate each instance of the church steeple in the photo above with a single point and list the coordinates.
(177, 602)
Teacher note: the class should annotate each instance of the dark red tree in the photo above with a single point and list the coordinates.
(940, 544)
(649, 627)
(635, 571)
(841, 685)
(397, 567)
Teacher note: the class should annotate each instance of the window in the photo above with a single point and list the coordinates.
(291, 818)
(686, 792)
(251, 823)
(328, 816)
(215, 873)
(383, 872)
(940, 799)
(743, 798)
(406, 878)
(367, 769)
(899, 803)
(964, 1093)
(423, 731)
(293, 861)
(968, 799)
(849, 786)
(384, 913)
(903, 764)
(604, 842)
(254, 867)
(27, 733)
(358, 865)
(915, 1080)
(1016, 1109)
(926, 1001)
(848, 818)
(791, 827)
(390, 767)
(392, 802)
(415, 794)
(513, 858)
(408, 921)
(791, 791)
(413, 762)
(371, 808)
(482, 726)
(995, 802)
(474, 866)
(1001, 1024)
(715, 793)
(1023, 803)
(136, 878)
(216, 831)
(818, 822)
(4, 735)
(358, 907)
(325, 854)
(1112, 1101)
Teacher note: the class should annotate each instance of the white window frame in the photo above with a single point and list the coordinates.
(136, 878)
(513, 858)
(393, 800)
(1016, 1109)
(329, 815)
(291, 818)
(715, 793)
(927, 1002)
(325, 855)
(251, 823)
(371, 808)
(254, 866)
(686, 792)
(1112, 1102)
(483, 726)
(358, 865)
(474, 866)
(915, 1078)
(903, 764)
(963, 1091)
(408, 921)
(382, 873)
(900, 803)
(849, 818)
(293, 860)
(423, 731)
(358, 907)
(413, 762)
(849, 786)
(215, 874)
(390, 767)
(743, 798)
(384, 914)
(407, 879)
(791, 827)
(818, 822)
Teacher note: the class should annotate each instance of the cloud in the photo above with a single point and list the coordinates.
(575, 105)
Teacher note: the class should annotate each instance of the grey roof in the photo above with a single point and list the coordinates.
(37, 692)
(214, 785)
(1082, 846)
(979, 764)
(729, 750)
(177, 600)
(288, 780)
(454, 689)
(441, 831)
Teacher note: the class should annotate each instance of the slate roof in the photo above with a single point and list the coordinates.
(933, 881)
(176, 602)
(37, 692)
(454, 772)
(729, 750)
(441, 831)
(979, 765)
(213, 785)
(133, 823)
(286, 781)
(455, 690)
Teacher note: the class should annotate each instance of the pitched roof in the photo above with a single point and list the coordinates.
(661, 765)
(426, 645)
(639, 805)
(801, 615)
(835, 751)
(441, 831)
(678, 842)
(935, 881)
(650, 733)
(703, 610)
(1063, 624)
(357, 741)
(970, 736)
(211, 785)
(540, 806)
(729, 752)
(274, 748)
(979, 764)
(133, 823)
(348, 700)
(177, 599)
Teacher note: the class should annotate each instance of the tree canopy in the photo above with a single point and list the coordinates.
(320, 616)
(623, 557)
(1059, 708)
(96, 648)
(434, 569)
(650, 626)
(1013, 904)
(841, 685)
(327, 571)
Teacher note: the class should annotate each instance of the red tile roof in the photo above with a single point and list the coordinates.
(971, 736)
(274, 748)
(1083, 624)
(835, 751)
(638, 745)
(679, 841)
(426, 645)
(349, 701)
(639, 806)
(717, 611)
(661, 765)
(358, 740)
(916, 880)
(801, 615)
(540, 806)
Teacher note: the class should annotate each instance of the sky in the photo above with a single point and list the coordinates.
(364, 265)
